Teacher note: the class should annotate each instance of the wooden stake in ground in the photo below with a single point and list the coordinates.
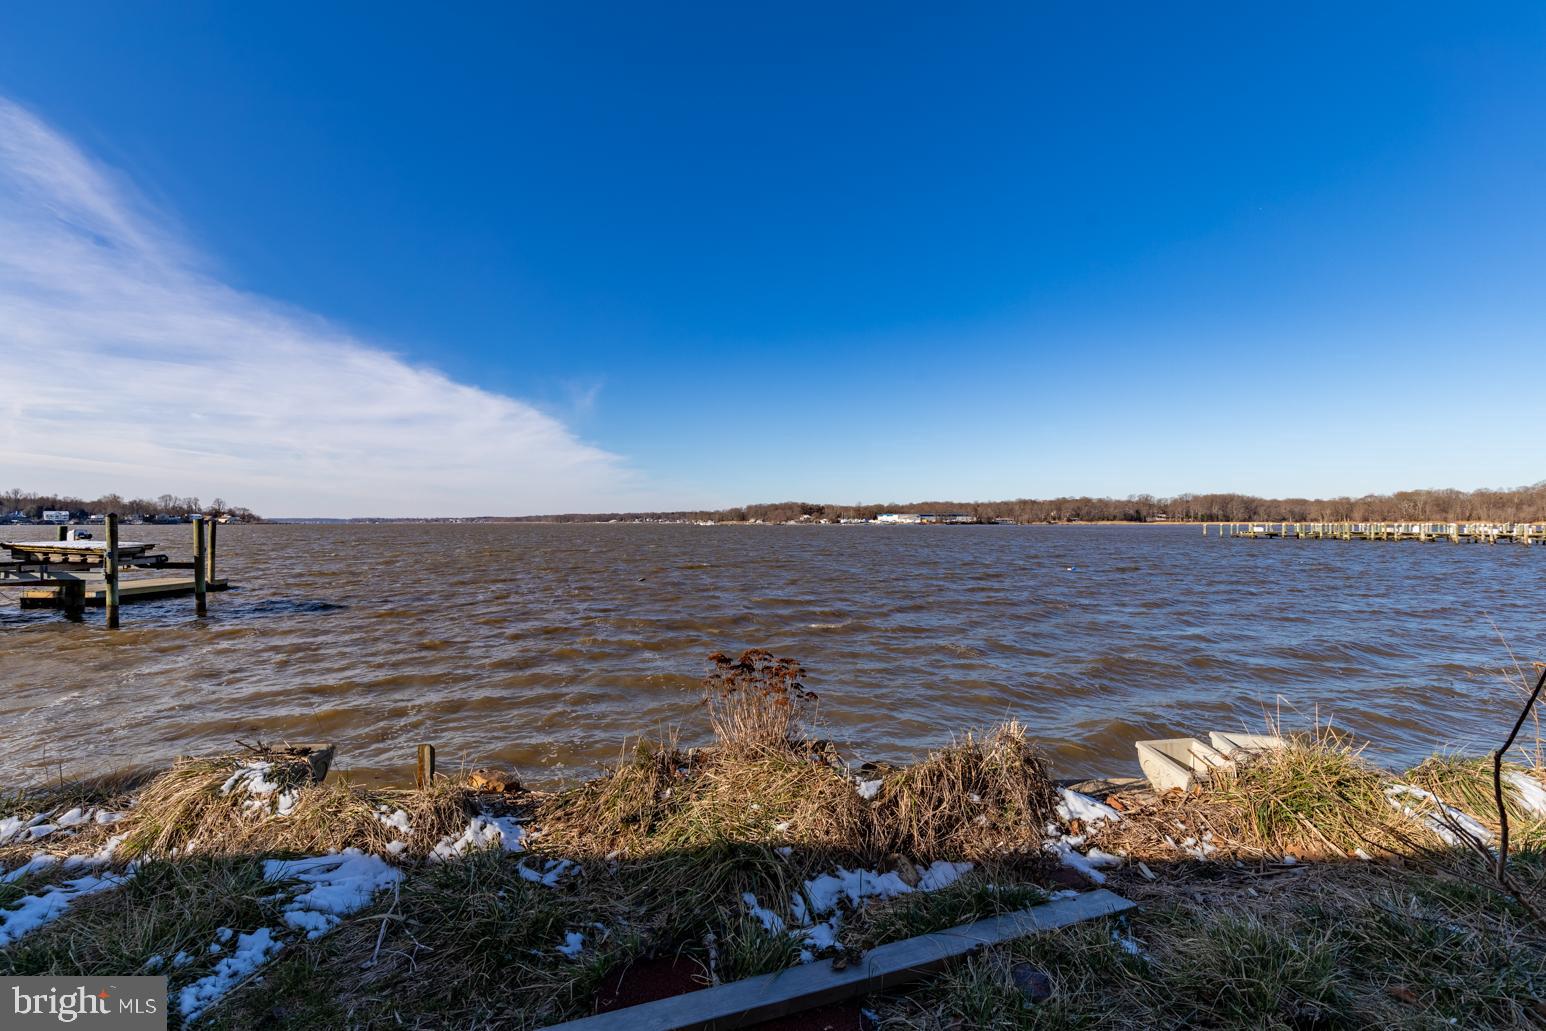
(424, 775)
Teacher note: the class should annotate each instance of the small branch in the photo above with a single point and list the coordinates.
(1497, 776)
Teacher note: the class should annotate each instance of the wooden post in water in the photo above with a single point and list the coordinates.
(72, 598)
(199, 585)
(61, 532)
(209, 563)
(110, 572)
(424, 775)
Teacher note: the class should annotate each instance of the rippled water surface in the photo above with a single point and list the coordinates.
(542, 647)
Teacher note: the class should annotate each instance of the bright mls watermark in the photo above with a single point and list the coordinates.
(128, 1003)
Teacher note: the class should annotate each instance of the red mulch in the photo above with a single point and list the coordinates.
(646, 980)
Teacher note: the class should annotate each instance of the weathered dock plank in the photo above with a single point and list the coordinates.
(814, 984)
(34, 596)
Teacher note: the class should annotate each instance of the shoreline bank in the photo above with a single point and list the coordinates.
(473, 901)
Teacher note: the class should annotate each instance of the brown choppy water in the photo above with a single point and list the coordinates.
(541, 647)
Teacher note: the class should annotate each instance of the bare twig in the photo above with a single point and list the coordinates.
(1497, 776)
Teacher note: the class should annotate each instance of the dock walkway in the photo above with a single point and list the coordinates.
(1452, 533)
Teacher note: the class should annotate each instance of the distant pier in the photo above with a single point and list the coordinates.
(1450, 533)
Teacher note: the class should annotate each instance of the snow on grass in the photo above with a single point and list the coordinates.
(574, 942)
(397, 819)
(1089, 863)
(482, 832)
(770, 920)
(33, 911)
(251, 952)
(1435, 822)
(1075, 806)
(868, 789)
(39, 862)
(816, 911)
(1127, 943)
(17, 830)
(553, 870)
(1527, 791)
(251, 778)
(338, 884)
(331, 887)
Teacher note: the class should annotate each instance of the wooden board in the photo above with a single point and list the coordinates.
(74, 547)
(816, 984)
(143, 589)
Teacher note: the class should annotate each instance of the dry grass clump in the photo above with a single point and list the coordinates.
(979, 797)
(756, 702)
(1466, 784)
(660, 800)
(194, 808)
(1316, 796)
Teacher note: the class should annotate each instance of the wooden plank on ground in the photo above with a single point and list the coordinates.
(816, 984)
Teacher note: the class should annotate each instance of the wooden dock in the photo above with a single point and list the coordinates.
(46, 595)
(71, 572)
(1450, 533)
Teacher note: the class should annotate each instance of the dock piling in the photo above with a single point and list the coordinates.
(110, 572)
(209, 564)
(199, 557)
(61, 532)
(424, 775)
(72, 598)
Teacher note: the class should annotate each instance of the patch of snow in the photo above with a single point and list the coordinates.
(1434, 822)
(574, 941)
(397, 819)
(1528, 791)
(339, 884)
(74, 818)
(816, 910)
(1076, 806)
(553, 870)
(251, 952)
(771, 921)
(482, 832)
(1127, 943)
(868, 789)
(251, 777)
(33, 911)
(1070, 857)
(942, 875)
(39, 862)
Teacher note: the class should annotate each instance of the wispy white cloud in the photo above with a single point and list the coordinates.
(126, 367)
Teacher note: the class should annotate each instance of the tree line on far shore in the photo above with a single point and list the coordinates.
(1520, 504)
(32, 505)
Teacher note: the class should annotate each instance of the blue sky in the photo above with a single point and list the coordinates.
(702, 255)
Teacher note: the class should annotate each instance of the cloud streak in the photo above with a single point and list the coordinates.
(126, 367)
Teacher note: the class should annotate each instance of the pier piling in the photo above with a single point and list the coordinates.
(110, 572)
(199, 558)
(209, 564)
